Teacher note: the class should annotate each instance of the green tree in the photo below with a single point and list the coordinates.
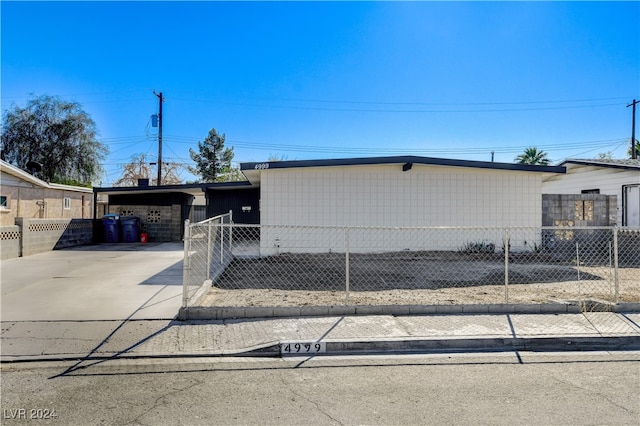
(213, 161)
(233, 175)
(56, 133)
(533, 156)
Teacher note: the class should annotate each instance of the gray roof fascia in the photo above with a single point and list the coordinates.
(174, 188)
(161, 188)
(265, 165)
(597, 163)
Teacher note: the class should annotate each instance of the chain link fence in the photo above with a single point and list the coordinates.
(234, 265)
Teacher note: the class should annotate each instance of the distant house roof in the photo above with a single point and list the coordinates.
(252, 170)
(28, 177)
(611, 163)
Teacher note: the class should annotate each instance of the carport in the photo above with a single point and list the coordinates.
(163, 209)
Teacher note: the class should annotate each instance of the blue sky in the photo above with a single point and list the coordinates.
(334, 79)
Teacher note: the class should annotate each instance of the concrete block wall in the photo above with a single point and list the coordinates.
(42, 235)
(579, 210)
(162, 223)
(10, 238)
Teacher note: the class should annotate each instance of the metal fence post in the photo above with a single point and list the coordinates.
(222, 241)
(506, 265)
(186, 264)
(616, 278)
(209, 249)
(230, 231)
(346, 240)
(581, 298)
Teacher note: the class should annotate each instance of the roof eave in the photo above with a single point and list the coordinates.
(252, 170)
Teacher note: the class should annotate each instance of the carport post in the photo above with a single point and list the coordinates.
(186, 264)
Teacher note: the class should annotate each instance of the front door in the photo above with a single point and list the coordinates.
(631, 205)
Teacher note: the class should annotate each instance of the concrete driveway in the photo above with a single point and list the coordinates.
(98, 282)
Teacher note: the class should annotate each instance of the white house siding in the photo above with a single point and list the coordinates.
(608, 180)
(385, 196)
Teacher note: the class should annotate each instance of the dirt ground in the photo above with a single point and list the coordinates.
(410, 278)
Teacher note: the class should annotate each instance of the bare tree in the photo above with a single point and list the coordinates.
(140, 168)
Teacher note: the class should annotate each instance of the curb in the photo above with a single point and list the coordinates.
(221, 312)
(384, 347)
(534, 344)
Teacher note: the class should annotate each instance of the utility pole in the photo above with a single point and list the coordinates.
(160, 101)
(634, 155)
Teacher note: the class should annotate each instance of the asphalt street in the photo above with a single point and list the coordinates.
(504, 388)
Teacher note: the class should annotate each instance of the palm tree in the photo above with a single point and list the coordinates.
(533, 156)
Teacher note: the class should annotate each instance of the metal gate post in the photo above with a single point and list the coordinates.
(186, 264)
(209, 249)
(230, 231)
(222, 240)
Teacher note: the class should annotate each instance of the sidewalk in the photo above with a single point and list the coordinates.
(337, 335)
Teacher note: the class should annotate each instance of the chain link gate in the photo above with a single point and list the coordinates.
(207, 252)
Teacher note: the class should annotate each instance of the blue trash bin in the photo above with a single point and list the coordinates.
(130, 227)
(111, 224)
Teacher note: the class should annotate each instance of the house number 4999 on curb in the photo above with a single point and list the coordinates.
(295, 348)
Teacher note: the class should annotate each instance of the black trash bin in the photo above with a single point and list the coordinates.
(130, 226)
(111, 224)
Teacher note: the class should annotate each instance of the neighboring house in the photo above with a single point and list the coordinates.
(23, 195)
(403, 191)
(37, 216)
(620, 178)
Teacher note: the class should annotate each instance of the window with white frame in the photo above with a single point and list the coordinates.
(4, 202)
(67, 203)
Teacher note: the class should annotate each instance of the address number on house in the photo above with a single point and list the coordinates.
(261, 166)
(301, 348)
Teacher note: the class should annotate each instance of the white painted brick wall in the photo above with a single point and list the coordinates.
(383, 195)
(386, 196)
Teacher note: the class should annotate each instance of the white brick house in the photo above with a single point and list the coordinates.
(396, 192)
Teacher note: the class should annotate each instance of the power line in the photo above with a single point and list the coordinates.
(431, 111)
(449, 103)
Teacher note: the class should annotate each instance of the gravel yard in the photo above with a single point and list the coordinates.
(416, 278)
